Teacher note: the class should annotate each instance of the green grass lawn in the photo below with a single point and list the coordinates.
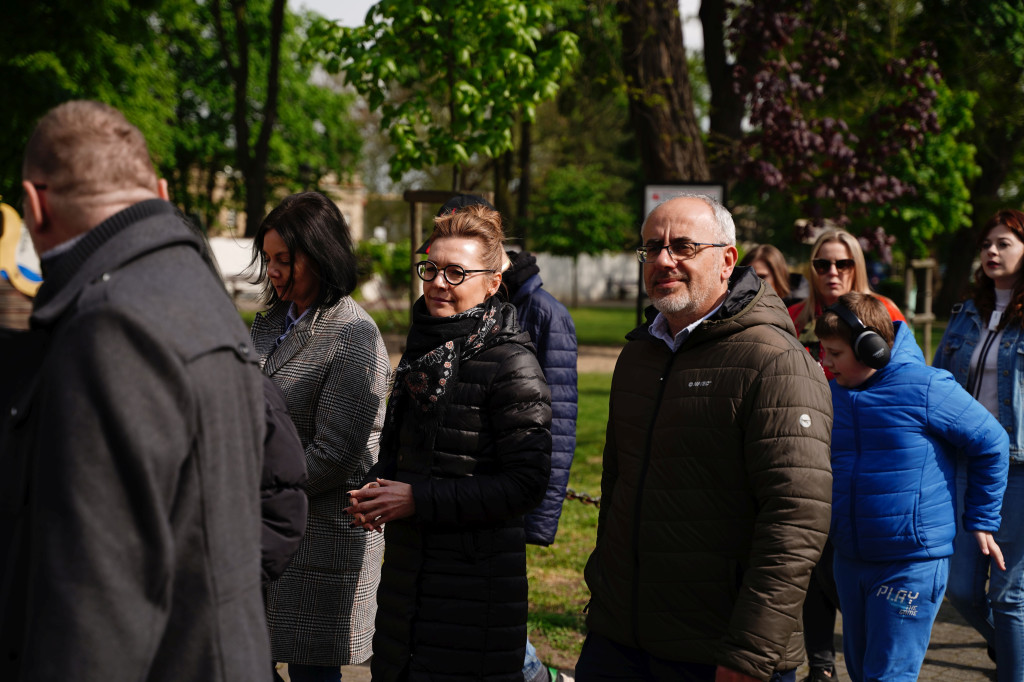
(557, 591)
(594, 326)
(603, 326)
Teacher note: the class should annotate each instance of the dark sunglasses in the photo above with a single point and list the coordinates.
(822, 266)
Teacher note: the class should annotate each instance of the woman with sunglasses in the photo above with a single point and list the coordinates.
(837, 268)
(465, 453)
(983, 346)
(327, 356)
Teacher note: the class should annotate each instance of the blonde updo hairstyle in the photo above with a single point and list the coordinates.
(475, 222)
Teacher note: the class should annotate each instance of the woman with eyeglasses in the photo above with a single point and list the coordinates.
(327, 356)
(837, 268)
(465, 453)
(983, 346)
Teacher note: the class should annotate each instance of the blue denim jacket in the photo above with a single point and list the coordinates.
(954, 354)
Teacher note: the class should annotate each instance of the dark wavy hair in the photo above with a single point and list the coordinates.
(984, 292)
(311, 223)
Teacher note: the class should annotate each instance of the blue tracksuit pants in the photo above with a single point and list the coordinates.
(888, 612)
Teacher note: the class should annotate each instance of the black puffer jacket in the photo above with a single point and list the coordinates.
(283, 503)
(452, 602)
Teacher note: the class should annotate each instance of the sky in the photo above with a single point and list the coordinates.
(353, 13)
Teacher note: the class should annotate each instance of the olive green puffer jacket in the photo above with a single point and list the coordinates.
(716, 490)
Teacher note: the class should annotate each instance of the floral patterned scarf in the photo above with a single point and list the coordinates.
(435, 349)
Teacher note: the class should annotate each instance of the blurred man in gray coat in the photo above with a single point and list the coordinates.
(131, 454)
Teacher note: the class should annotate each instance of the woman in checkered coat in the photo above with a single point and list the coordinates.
(328, 357)
(466, 452)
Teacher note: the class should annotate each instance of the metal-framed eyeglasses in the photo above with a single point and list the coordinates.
(453, 274)
(680, 250)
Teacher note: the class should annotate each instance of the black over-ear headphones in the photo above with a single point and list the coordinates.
(868, 346)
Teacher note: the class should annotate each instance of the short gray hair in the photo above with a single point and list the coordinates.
(723, 219)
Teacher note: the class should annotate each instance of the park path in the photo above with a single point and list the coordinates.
(956, 654)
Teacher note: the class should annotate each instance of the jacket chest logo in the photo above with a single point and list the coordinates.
(699, 384)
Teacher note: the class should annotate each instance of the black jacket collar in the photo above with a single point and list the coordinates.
(119, 239)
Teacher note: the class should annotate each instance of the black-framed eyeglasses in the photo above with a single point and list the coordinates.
(680, 250)
(453, 274)
(823, 265)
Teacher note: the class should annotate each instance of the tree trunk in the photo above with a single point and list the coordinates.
(256, 176)
(727, 105)
(984, 202)
(523, 199)
(502, 199)
(211, 187)
(575, 281)
(251, 159)
(660, 98)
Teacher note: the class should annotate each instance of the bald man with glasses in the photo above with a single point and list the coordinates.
(716, 491)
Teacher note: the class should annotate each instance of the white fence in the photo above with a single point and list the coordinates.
(608, 276)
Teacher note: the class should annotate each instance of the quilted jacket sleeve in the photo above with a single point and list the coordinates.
(519, 413)
(554, 334)
(283, 502)
(962, 421)
(788, 413)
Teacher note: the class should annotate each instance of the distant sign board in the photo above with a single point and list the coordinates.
(656, 194)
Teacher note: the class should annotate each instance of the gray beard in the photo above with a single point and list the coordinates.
(687, 302)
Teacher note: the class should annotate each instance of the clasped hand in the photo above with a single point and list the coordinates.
(380, 501)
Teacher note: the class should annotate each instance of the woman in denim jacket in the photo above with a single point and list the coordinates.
(984, 349)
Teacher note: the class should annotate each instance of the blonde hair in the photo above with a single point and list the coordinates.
(475, 222)
(83, 148)
(860, 271)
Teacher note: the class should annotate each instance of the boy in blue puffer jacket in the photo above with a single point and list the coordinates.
(898, 426)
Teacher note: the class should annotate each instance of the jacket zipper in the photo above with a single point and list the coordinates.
(635, 615)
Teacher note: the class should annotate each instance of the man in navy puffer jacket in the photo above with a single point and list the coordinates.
(895, 437)
(554, 334)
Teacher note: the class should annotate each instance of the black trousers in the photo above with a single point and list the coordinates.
(604, 660)
(820, 609)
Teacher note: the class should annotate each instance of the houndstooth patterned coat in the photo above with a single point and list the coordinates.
(334, 371)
